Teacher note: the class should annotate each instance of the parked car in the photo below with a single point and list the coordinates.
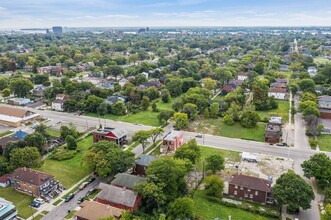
(83, 185)
(282, 144)
(198, 135)
(81, 199)
(35, 204)
(69, 197)
(39, 200)
(90, 192)
(91, 180)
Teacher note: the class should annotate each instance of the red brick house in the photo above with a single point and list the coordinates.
(126, 180)
(118, 197)
(249, 188)
(172, 141)
(119, 136)
(142, 163)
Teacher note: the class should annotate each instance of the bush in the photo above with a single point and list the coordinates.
(313, 143)
(228, 119)
(62, 154)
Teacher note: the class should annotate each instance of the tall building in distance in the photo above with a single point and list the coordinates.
(57, 30)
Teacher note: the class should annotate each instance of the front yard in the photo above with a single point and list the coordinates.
(218, 127)
(20, 200)
(324, 142)
(282, 110)
(69, 172)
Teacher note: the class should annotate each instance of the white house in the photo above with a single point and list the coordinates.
(242, 76)
(312, 71)
(122, 82)
(57, 104)
(145, 74)
(278, 93)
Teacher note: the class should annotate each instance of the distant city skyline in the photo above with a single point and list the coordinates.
(143, 13)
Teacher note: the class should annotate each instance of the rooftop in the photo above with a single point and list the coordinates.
(324, 98)
(127, 180)
(251, 182)
(273, 128)
(144, 159)
(118, 132)
(277, 90)
(94, 211)
(14, 112)
(172, 135)
(28, 175)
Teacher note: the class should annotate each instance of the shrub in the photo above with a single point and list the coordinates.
(62, 154)
(228, 119)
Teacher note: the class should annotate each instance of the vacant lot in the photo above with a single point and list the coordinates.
(20, 200)
(218, 127)
(324, 142)
(282, 110)
(69, 172)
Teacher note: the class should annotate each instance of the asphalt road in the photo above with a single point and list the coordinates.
(61, 211)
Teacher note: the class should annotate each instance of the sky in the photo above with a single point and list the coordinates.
(149, 13)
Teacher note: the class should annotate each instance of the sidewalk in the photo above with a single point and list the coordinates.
(49, 206)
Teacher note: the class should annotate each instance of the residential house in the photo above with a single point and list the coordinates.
(227, 89)
(4, 141)
(278, 85)
(57, 104)
(153, 83)
(278, 93)
(272, 133)
(106, 85)
(7, 210)
(118, 197)
(91, 210)
(5, 180)
(126, 180)
(172, 141)
(235, 83)
(122, 82)
(285, 81)
(118, 135)
(35, 183)
(283, 68)
(250, 188)
(142, 163)
(56, 70)
(39, 91)
(19, 135)
(19, 101)
(325, 106)
(145, 74)
(14, 117)
(312, 71)
(114, 99)
(242, 76)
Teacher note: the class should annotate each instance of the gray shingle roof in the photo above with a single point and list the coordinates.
(144, 159)
(127, 180)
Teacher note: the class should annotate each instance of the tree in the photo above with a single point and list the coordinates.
(68, 130)
(181, 120)
(214, 108)
(228, 119)
(318, 166)
(21, 87)
(155, 133)
(209, 83)
(118, 108)
(190, 151)
(291, 190)
(141, 137)
(165, 95)
(328, 211)
(214, 186)
(145, 103)
(103, 108)
(133, 58)
(36, 139)
(307, 85)
(308, 96)
(71, 142)
(3, 83)
(249, 119)
(191, 111)
(234, 111)
(215, 163)
(92, 103)
(25, 157)
(6, 92)
(165, 115)
(175, 87)
(223, 75)
(181, 208)
(206, 113)
(113, 70)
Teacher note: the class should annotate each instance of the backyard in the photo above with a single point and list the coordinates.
(324, 142)
(282, 110)
(69, 172)
(143, 117)
(218, 127)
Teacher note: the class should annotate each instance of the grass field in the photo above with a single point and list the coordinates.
(207, 209)
(5, 133)
(38, 217)
(324, 142)
(144, 117)
(218, 127)
(69, 172)
(54, 133)
(20, 200)
(282, 110)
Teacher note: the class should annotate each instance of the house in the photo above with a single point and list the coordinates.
(114, 99)
(320, 89)
(285, 81)
(20, 135)
(106, 85)
(278, 93)
(7, 210)
(227, 89)
(35, 183)
(142, 163)
(118, 197)
(324, 106)
(91, 210)
(153, 83)
(235, 83)
(5, 180)
(14, 117)
(57, 104)
(145, 74)
(118, 135)
(250, 188)
(4, 141)
(19, 101)
(272, 133)
(122, 82)
(39, 91)
(126, 180)
(242, 76)
(283, 68)
(312, 71)
(278, 85)
(172, 141)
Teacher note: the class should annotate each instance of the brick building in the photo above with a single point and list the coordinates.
(117, 135)
(172, 141)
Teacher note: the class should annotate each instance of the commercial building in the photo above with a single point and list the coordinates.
(7, 210)
(117, 135)
(14, 117)
(19, 101)
(57, 30)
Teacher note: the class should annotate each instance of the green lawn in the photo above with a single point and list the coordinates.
(324, 142)
(57, 202)
(38, 217)
(5, 133)
(69, 172)
(207, 209)
(282, 110)
(70, 215)
(218, 127)
(20, 200)
(208, 151)
(144, 117)
(54, 133)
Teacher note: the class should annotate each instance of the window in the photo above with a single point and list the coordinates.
(236, 187)
(248, 189)
(256, 193)
(251, 196)
(235, 192)
(241, 188)
(246, 195)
